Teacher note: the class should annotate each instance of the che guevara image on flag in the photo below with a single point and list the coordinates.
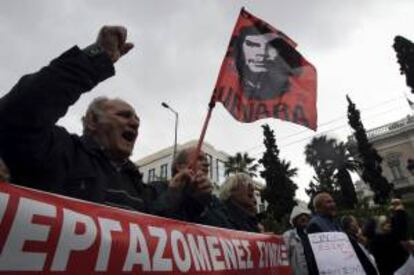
(262, 75)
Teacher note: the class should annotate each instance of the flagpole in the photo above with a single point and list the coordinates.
(211, 106)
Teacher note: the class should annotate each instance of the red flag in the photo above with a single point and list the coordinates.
(262, 75)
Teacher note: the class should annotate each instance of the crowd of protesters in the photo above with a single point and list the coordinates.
(382, 244)
(96, 166)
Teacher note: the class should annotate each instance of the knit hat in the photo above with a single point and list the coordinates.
(297, 211)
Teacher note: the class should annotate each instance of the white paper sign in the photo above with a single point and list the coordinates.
(334, 254)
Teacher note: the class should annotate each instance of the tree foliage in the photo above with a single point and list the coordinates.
(404, 49)
(369, 158)
(280, 189)
(332, 163)
(241, 163)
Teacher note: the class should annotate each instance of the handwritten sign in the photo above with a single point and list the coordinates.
(334, 254)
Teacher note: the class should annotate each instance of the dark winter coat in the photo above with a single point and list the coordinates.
(44, 156)
(240, 219)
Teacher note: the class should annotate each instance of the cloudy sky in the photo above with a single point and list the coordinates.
(179, 49)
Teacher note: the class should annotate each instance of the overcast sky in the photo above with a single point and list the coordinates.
(179, 47)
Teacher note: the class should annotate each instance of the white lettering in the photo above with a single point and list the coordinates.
(70, 241)
(249, 262)
(284, 255)
(13, 258)
(214, 253)
(229, 254)
(158, 262)
(199, 252)
(272, 254)
(260, 246)
(106, 226)
(184, 263)
(4, 200)
(240, 254)
(133, 257)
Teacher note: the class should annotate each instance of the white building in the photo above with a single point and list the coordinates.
(157, 166)
(395, 144)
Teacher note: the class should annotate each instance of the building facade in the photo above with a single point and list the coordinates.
(395, 144)
(157, 166)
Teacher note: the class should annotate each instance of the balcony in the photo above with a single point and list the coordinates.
(386, 130)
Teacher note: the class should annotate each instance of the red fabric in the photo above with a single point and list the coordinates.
(42, 233)
(280, 84)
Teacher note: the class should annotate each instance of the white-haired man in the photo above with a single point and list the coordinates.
(237, 194)
(94, 166)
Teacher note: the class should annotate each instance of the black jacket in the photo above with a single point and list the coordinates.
(211, 212)
(394, 255)
(239, 219)
(44, 156)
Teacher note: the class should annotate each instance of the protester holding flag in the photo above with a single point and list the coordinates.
(198, 204)
(95, 166)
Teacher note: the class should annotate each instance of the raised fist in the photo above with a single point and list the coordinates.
(112, 39)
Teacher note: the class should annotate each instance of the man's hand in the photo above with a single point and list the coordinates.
(198, 184)
(181, 179)
(201, 185)
(112, 39)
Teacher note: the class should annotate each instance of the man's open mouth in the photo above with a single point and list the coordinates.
(129, 136)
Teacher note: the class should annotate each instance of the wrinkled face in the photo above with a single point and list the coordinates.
(327, 205)
(301, 221)
(117, 129)
(258, 52)
(202, 162)
(243, 195)
(205, 187)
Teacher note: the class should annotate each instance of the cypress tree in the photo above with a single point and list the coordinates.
(369, 157)
(280, 189)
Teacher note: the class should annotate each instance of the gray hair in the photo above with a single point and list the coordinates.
(233, 182)
(317, 200)
(181, 158)
(94, 111)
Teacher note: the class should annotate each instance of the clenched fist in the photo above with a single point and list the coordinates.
(112, 39)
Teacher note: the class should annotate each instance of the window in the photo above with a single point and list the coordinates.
(394, 163)
(220, 169)
(164, 171)
(151, 175)
(210, 165)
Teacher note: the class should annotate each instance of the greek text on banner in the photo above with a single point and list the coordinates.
(51, 234)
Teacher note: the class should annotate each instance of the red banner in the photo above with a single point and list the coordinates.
(51, 234)
(262, 75)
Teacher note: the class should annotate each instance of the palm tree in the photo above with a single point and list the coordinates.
(344, 164)
(290, 171)
(241, 163)
(319, 154)
(332, 163)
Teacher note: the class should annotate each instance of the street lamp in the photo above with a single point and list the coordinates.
(165, 105)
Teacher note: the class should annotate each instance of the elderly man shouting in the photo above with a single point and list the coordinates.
(94, 166)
